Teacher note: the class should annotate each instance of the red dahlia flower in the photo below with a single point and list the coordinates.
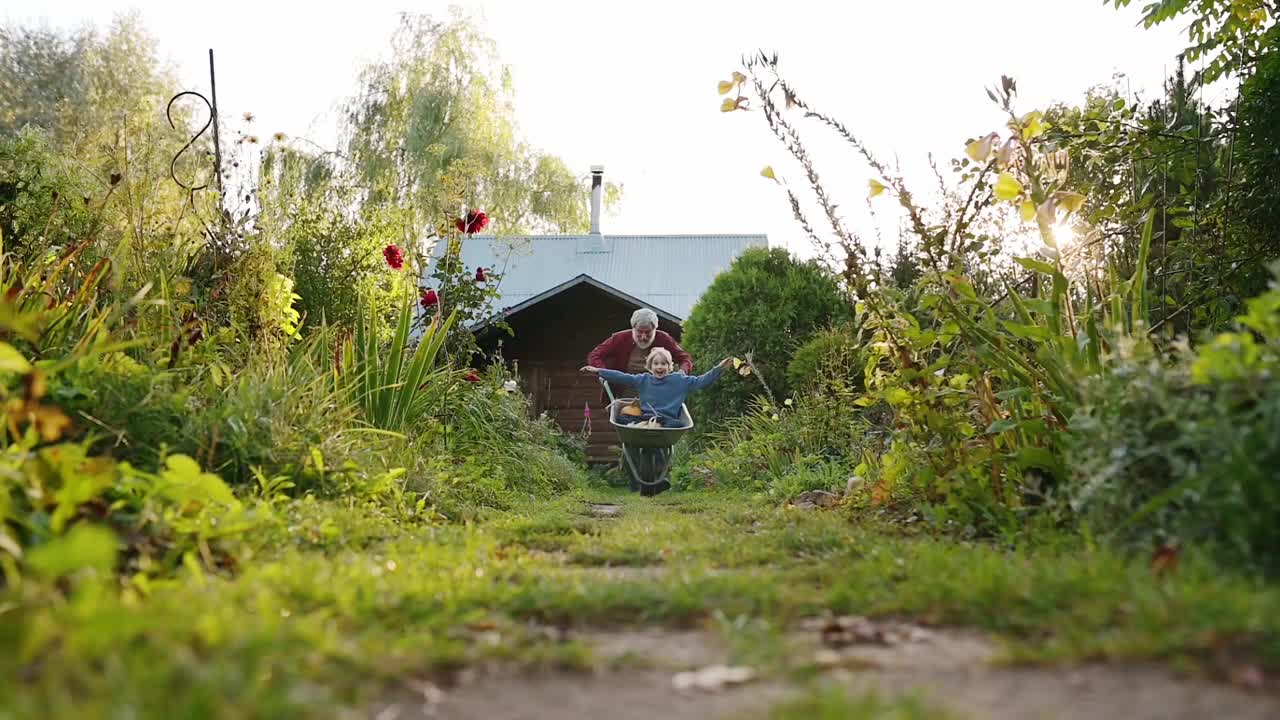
(475, 221)
(394, 256)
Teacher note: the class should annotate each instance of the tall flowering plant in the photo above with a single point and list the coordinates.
(453, 287)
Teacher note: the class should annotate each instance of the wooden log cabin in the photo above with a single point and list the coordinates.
(564, 294)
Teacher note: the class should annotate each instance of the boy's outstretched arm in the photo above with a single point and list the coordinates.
(705, 379)
(614, 375)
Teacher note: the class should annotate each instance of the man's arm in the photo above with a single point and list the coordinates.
(599, 357)
(679, 357)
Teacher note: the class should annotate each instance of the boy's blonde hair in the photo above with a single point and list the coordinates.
(657, 353)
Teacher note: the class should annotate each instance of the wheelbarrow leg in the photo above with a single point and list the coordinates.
(632, 458)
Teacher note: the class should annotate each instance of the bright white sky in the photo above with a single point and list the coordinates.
(632, 85)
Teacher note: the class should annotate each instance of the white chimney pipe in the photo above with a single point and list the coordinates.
(597, 192)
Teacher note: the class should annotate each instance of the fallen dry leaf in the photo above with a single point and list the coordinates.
(851, 630)
(845, 630)
(1248, 677)
(1165, 558)
(712, 678)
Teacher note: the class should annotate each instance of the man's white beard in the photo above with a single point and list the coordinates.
(642, 345)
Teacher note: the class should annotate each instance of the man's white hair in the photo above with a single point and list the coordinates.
(657, 353)
(644, 316)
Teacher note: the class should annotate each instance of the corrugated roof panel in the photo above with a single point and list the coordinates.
(669, 272)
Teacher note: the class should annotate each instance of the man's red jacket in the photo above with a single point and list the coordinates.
(614, 352)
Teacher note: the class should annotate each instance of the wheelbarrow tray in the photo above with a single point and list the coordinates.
(638, 437)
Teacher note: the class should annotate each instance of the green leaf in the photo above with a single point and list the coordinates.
(962, 286)
(84, 546)
(183, 482)
(1140, 272)
(1013, 393)
(1000, 426)
(1028, 332)
(897, 396)
(1036, 265)
(1042, 459)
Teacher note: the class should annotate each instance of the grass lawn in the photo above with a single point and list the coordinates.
(335, 603)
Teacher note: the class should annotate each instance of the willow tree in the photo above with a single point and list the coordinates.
(432, 128)
(89, 107)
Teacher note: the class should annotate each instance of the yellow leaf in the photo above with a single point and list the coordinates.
(11, 360)
(768, 172)
(729, 105)
(1027, 210)
(979, 150)
(1032, 126)
(875, 187)
(1070, 201)
(1047, 213)
(50, 422)
(1007, 187)
(724, 86)
(738, 78)
(737, 363)
(1005, 153)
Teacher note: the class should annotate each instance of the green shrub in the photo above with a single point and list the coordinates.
(41, 197)
(1188, 452)
(766, 304)
(831, 363)
(812, 445)
(1258, 201)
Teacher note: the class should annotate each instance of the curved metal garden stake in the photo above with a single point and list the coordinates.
(212, 105)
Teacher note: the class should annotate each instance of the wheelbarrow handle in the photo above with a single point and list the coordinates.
(607, 390)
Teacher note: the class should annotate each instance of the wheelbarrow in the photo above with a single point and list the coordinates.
(646, 451)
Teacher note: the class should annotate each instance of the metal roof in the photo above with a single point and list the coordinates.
(509, 311)
(665, 272)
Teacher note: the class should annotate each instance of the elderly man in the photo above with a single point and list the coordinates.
(625, 351)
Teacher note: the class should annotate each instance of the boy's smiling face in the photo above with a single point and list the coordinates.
(660, 367)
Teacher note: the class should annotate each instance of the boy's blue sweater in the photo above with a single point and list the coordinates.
(663, 396)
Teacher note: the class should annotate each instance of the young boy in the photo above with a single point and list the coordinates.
(661, 391)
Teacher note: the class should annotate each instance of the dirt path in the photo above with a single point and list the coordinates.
(653, 671)
(948, 670)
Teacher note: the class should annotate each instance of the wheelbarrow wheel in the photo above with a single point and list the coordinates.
(655, 471)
